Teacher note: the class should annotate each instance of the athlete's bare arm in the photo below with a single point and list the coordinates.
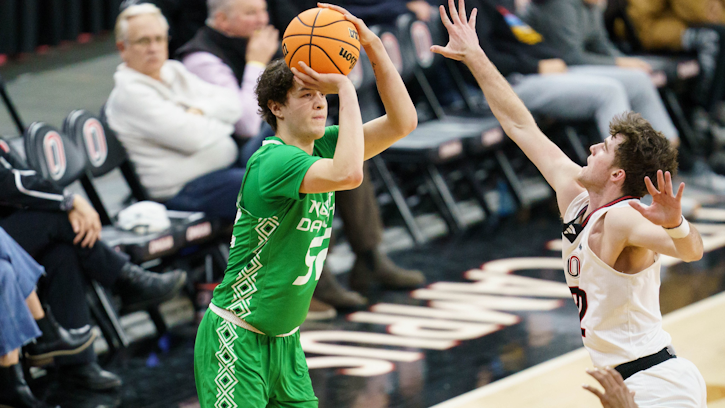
(400, 118)
(344, 170)
(558, 170)
(643, 226)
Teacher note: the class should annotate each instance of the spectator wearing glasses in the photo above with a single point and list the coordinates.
(176, 128)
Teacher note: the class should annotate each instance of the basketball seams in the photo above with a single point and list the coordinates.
(325, 37)
(312, 32)
(334, 22)
(302, 22)
(328, 56)
(298, 48)
(329, 39)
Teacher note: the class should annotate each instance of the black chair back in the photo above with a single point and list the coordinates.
(102, 149)
(362, 75)
(127, 169)
(53, 154)
(392, 45)
(417, 38)
(15, 157)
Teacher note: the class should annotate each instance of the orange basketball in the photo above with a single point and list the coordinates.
(323, 40)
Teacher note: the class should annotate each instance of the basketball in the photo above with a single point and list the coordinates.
(322, 39)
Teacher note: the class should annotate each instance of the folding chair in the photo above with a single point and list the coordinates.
(104, 153)
(433, 144)
(64, 165)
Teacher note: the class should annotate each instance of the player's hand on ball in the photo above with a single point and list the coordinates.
(365, 34)
(666, 208)
(325, 83)
(616, 394)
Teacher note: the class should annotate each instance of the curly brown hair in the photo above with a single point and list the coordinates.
(641, 153)
(273, 85)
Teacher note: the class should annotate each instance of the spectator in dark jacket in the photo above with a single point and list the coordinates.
(61, 230)
(550, 87)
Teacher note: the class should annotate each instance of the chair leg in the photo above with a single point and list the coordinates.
(399, 200)
(576, 143)
(158, 320)
(512, 178)
(480, 195)
(444, 199)
(680, 119)
(107, 318)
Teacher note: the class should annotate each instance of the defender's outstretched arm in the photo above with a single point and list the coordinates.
(560, 172)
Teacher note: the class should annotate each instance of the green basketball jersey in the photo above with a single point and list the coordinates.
(280, 238)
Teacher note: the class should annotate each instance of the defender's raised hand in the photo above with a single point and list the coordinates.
(365, 34)
(666, 209)
(462, 37)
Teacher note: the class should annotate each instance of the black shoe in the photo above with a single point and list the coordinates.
(90, 376)
(14, 391)
(140, 288)
(56, 341)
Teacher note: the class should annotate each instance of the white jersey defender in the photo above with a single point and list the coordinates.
(620, 315)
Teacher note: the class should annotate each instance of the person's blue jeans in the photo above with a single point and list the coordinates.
(19, 274)
(215, 194)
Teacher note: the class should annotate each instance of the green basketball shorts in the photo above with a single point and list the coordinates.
(235, 367)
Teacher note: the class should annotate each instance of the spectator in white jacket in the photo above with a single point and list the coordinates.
(176, 128)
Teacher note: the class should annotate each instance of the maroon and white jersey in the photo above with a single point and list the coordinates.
(620, 313)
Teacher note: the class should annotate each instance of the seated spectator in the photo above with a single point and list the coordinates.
(542, 79)
(692, 26)
(24, 322)
(232, 51)
(580, 34)
(386, 11)
(576, 29)
(229, 53)
(61, 231)
(176, 128)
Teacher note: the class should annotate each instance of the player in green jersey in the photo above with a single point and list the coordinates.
(247, 351)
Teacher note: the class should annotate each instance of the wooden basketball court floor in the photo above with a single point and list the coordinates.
(697, 333)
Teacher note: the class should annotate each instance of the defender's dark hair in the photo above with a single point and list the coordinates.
(641, 153)
(273, 85)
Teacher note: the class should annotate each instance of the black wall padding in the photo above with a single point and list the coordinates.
(50, 19)
(8, 27)
(92, 16)
(28, 25)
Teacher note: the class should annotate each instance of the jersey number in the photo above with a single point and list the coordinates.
(314, 262)
(580, 298)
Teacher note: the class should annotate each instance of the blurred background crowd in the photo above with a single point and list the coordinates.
(182, 120)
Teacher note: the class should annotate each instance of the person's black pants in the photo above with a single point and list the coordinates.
(708, 40)
(48, 237)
